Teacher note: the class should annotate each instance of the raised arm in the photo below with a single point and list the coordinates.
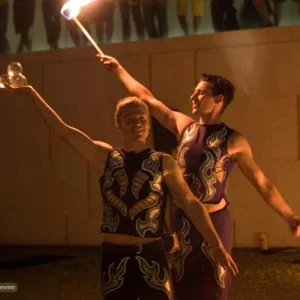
(243, 155)
(195, 211)
(172, 120)
(93, 151)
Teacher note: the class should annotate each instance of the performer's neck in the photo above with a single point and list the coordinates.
(134, 146)
(210, 119)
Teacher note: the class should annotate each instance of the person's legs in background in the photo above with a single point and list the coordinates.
(125, 16)
(217, 15)
(149, 14)
(52, 21)
(262, 9)
(277, 11)
(104, 20)
(109, 19)
(4, 45)
(182, 15)
(24, 11)
(161, 12)
(224, 15)
(198, 11)
(74, 32)
(231, 21)
(137, 17)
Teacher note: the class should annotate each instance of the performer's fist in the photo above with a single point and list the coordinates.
(294, 224)
(109, 62)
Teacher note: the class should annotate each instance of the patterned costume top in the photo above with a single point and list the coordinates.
(204, 160)
(132, 192)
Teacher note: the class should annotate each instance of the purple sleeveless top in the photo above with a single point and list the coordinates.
(132, 192)
(204, 160)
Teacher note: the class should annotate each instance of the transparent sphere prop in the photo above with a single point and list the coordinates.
(14, 68)
(14, 76)
(17, 81)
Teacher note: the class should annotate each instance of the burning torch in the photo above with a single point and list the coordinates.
(71, 10)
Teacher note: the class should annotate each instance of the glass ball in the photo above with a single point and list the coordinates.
(17, 81)
(14, 68)
(2, 86)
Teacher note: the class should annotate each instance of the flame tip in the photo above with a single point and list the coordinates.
(71, 9)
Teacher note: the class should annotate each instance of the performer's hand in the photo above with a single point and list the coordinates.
(294, 224)
(109, 62)
(222, 257)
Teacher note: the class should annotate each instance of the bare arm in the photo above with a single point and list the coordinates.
(93, 151)
(172, 120)
(267, 190)
(194, 210)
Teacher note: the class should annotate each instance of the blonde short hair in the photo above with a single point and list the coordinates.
(122, 103)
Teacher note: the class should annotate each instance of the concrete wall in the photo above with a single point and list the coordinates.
(50, 195)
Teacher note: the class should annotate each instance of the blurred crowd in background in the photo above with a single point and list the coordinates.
(146, 18)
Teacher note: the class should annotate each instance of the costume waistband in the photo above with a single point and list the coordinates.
(134, 248)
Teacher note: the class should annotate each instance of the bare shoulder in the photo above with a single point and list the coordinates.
(167, 159)
(171, 119)
(102, 150)
(103, 145)
(237, 143)
(169, 164)
(182, 121)
(101, 155)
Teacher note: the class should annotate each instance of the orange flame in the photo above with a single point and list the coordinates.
(71, 9)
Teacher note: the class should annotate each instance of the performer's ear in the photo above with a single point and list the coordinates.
(219, 99)
(117, 126)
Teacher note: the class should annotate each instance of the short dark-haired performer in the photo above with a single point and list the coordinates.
(207, 152)
(132, 177)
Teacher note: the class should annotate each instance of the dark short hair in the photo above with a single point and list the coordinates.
(220, 86)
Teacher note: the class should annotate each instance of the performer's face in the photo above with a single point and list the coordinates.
(202, 99)
(134, 123)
